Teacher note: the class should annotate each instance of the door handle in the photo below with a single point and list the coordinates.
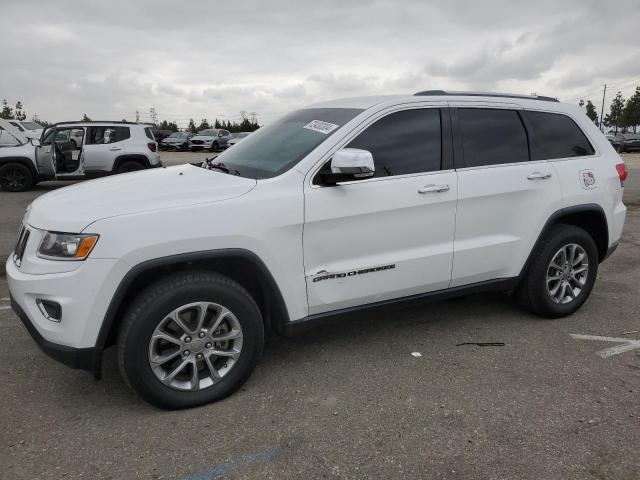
(115, 148)
(434, 189)
(539, 176)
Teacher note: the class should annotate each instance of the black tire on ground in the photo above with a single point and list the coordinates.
(130, 166)
(532, 291)
(214, 147)
(152, 305)
(15, 177)
(619, 149)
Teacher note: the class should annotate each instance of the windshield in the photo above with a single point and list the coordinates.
(177, 135)
(274, 149)
(31, 125)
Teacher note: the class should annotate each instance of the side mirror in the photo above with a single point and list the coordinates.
(35, 142)
(349, 164)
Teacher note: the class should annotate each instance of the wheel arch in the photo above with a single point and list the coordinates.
(243, 266)
(590, 217)
(133, 157)
(22, 160)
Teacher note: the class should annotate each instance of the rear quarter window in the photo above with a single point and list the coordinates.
(554, 135)
(149, 133)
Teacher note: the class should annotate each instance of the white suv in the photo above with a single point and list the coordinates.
(75, 151)
(336, 207)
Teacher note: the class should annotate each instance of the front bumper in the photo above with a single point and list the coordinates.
(83, 295)
(81, 358)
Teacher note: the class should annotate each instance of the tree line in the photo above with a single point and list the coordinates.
(623, 116)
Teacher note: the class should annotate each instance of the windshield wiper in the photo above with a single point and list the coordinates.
(223, 168)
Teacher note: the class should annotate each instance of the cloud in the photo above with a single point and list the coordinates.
(245, 56)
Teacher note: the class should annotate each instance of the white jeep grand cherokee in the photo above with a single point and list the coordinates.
(336, 207)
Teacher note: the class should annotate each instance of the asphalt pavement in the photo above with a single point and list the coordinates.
(386, 394)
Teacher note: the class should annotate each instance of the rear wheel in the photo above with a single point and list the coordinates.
(130, 166)
(15, 177)
(190, 339)
(562, 272)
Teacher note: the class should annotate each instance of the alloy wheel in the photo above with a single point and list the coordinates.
(14, 178)
(567, 273)
(195, 346)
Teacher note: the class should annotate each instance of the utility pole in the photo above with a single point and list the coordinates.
(604, 92)
(253, 117)
(243, 115)
(137, 116)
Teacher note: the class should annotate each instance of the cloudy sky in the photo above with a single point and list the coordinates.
(214, 59)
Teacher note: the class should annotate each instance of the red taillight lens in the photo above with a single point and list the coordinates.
(152, 146)
(622, 171)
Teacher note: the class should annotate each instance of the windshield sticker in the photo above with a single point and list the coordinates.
(321, 127)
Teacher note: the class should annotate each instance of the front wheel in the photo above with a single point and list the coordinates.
(190, 339)
(15, 177)
(561, 274)
(214, 147)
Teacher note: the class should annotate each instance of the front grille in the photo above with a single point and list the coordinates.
(21, 245)
(197, 142)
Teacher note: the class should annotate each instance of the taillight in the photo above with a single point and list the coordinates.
(622, 171)
(152, 146)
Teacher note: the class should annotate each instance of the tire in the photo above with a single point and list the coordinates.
(150, 310)
(130, 166)
(533, 293)
(214, 147)
(619, 149)
(15, 177)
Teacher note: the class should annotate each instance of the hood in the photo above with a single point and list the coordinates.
(10, 131)
(72, 208)
(202, 137)
(173, 140)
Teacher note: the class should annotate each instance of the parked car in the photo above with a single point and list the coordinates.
(212, 139)
(77, 150)
(237, 137)
(29, 129)
(338, 207)
(176, 141)
(626, 142)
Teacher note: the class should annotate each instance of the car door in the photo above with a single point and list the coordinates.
(504, 198)
(389, 236)
(102, 147)
(45, 160)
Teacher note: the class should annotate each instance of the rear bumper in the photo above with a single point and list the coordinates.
(81, 358)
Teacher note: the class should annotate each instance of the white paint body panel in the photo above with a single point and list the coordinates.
(377, 222)
(500, 214)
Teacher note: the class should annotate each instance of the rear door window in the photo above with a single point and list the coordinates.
(492, 137)
(556, 136)
(106, 135)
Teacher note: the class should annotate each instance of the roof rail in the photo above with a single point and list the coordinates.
(94, 121)
(434, 93)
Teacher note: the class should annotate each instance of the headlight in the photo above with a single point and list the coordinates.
(66, 246)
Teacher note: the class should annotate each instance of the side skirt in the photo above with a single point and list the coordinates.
(297, 327)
